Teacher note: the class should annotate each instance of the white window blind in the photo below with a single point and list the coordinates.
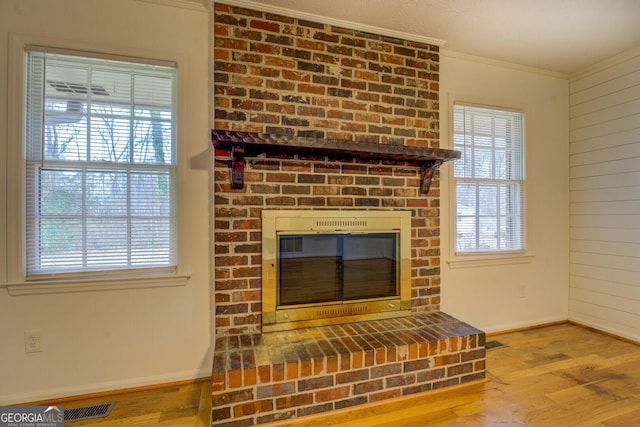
(489, 179)
(100, 166)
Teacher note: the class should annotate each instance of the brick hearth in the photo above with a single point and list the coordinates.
(260, 378)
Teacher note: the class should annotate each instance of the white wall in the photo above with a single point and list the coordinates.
(605, 196)
(497, 296)
(104, 340)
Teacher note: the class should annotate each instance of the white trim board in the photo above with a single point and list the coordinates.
(84, 389)
(200, 5)
(333, 21)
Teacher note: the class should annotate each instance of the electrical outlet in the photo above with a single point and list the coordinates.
(33, 341)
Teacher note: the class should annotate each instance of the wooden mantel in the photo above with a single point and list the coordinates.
(250, 144)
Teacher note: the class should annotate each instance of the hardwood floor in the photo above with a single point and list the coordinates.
(562, 375)
(187, 405)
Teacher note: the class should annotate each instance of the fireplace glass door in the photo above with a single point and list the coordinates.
(336, 267)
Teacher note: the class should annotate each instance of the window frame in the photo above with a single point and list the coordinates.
(462, 259)
(13, 255)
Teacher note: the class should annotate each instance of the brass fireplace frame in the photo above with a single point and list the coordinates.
(328, 221)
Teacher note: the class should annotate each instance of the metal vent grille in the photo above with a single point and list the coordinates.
(99, 410)
(342, 311)
(341, 223)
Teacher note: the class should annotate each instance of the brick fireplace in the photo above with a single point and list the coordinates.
(309, 83)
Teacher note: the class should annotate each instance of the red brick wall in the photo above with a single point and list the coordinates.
(276, 74)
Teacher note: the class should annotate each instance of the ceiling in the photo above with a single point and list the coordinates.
(563, 36)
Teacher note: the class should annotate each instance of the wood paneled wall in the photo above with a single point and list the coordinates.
(605, 196)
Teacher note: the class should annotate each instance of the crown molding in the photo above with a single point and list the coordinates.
(606, 63)
(333, 21)
(199, 5)
(502, 64)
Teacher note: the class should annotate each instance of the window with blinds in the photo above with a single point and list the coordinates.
(489, 180)
(100, 165)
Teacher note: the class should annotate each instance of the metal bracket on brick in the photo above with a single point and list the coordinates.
(429, 170)
(237, 166)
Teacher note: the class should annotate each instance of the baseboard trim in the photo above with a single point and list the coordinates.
(63, 393)
(527, 328)
(604, 332)
(108, 393)
(562, 322)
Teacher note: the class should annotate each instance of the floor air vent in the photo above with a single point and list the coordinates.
(98, 410)
(494, 344)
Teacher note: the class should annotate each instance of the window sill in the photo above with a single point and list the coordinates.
(88, 285)
(472, 261)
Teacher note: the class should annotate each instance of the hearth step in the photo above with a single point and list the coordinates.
(260, 378)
